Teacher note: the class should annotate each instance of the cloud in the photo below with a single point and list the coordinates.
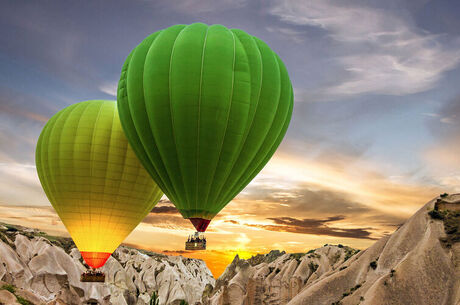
(192, 7)
(165, 206)
(167, 221)
(379, 51)
(22, 117)
(339, 183)
(17, 178)
(314, 226)
(305, 198)
(39, 217)
(292, 34)
(11, 111)
(164, 210)
(109, 88)
(443, 155)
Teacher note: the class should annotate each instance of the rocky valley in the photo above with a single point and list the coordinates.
(418, 264)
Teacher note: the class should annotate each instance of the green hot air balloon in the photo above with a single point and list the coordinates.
(204, 108)
(93, 178)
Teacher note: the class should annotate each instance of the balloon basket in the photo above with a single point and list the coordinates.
(92, 276)
(196, 242)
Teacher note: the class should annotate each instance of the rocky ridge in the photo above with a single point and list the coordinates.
(46, 270)
(276, 277)
(418, 264)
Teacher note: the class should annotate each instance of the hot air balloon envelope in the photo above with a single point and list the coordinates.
(92, 178)
(204, 108)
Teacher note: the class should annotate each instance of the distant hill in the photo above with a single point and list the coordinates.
(419, 264)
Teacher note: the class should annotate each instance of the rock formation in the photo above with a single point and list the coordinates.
(46, 270)
(418, 264)
(275, 278)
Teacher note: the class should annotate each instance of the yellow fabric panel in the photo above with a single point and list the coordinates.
(92, 177)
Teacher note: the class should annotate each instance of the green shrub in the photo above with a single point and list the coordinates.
(355, 288)
(313, 267)
(349, 252)
(435, 214)
(183, 302)
(23, 301)
(9, 287)
(373, 265)
(154, 299)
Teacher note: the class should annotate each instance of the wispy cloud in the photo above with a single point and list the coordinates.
(11, 111)
(17, 178)
(313, 226)
(165, 210)
(167, 221)
(295, 35)
(109, 88)
(380, 52)
(206, 6)
(442, 156)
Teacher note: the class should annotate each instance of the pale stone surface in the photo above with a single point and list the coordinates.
(45, 274)
(412, 267)
(274, 278)
(424, 271)
(8, 298)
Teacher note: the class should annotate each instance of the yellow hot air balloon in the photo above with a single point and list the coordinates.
(92, 178)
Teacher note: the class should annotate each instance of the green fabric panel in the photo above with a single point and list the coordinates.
(274, 136)
(234, 122)
(92, 177)
(261, 123)
(156, 87)
(185, 89)
(217, 104)
(140, 117)
(216, 93)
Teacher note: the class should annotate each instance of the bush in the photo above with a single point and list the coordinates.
(313, 267)
(9, 288)
(356, 287)
(154, 299)
(452, 228)
(435, 214)
(349, 253)
(23, 301)
(373, 265)
(183, 302)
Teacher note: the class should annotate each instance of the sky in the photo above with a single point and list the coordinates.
(374, 133)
